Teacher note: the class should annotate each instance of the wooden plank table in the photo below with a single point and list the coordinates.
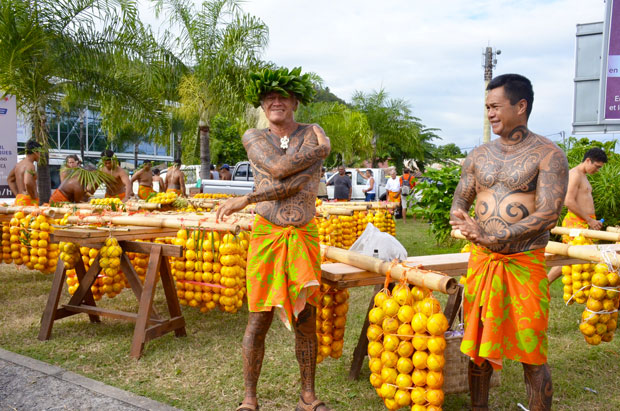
(149, 324)
(341, 276)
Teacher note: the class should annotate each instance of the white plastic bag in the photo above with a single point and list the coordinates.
(373, 239)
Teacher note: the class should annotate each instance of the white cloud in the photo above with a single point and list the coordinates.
(430, 53)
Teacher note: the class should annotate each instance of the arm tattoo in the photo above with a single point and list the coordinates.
(465, 192)
(265, 155)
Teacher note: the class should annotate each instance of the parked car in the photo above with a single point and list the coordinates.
(242, 181)
(358, 183)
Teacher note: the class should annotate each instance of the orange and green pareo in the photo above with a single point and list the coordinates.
(283, 269)
(572, 220)
(25, 200)
(506, 307)
(144, 192)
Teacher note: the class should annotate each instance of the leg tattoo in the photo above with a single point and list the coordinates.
(306, 347)
(479, 383)
(539, 386)
(253, 349)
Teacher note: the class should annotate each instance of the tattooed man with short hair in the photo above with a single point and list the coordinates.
(283, 267)
(518, 182)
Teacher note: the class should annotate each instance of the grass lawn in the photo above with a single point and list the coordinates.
(203, 371)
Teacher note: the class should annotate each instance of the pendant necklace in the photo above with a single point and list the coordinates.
(284, 142)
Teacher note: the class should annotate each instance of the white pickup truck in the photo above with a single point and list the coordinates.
(358, 183)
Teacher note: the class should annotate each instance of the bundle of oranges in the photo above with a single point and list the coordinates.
(163, 198)
(213, 195)
(331, 317)
(406, 346)
(342, 231)
(212, 270)
(26, 241)
(600, 316)
(576, 278)
(383, 220)
(110, 281)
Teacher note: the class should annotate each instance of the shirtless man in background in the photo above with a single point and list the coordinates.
(144, 176)
(22, 179)
(519, 183)
(579, 199)
(157, 178)
(121, 187)
(70, 190)
(283, 258)
(175, 179)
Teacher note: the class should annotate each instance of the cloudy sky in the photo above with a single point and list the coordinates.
(430, 53)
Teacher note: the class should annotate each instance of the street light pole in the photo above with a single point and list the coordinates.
(490, 61)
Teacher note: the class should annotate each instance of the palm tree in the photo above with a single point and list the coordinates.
(347, 128)
(84, 52)
(219, 45)
(397, 134)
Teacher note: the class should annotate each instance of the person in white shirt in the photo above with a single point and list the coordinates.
(393, 188)
(369, 189)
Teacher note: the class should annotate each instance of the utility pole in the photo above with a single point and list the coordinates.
(489, 62)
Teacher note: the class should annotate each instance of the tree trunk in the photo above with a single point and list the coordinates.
(82, 113)
(374, 151)
(135, 156)
(44, 181)
(178, 151)
(205, 150)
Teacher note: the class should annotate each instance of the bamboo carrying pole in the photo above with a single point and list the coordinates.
(613, 229)
(348, 207)
(337, 211)
(580, 252)
(51, 212)
(432, 280)
(599, 235)
(241, 220)
(150, 221)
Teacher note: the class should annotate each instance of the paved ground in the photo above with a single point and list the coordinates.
(27, 384)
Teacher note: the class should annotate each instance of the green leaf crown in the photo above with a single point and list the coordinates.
(281, 81)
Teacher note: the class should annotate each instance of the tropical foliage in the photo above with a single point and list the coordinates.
(219, 45)
(347, 128)
(396, 133)
(226, 138)
(437, 192)
(82, 51)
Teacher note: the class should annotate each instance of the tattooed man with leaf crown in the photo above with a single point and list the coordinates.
(518, 182)
(283, 268)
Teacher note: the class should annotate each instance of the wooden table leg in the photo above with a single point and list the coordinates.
(49, 314)
(453, 305)
(134, 280)
(146, 302)
(171, 296)
(83, 293)
(80, 272)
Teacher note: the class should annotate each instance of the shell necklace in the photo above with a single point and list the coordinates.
(284, 142)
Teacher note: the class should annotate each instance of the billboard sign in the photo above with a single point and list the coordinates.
(611, 74)
(8, 142)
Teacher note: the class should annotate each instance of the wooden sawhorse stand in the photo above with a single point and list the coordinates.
(149, 324)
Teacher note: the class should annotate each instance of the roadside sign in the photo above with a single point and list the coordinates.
(8, 142)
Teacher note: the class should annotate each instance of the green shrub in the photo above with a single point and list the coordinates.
(437, 194)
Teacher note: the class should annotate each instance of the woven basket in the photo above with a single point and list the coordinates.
(455, 370)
